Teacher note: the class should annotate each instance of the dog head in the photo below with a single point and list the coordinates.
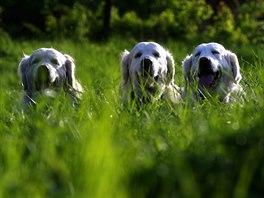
(147, 69)
(213, 68)
(47, 70)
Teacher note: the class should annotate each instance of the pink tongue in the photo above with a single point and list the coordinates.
(206, 81)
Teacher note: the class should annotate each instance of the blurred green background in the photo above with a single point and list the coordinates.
(105, 150)
(235, 20)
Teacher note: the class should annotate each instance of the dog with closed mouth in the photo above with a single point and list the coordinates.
(212, 70)
(47, 71)
(148, 74)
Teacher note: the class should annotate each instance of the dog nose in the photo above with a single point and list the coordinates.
(205, 66)
(146, 64)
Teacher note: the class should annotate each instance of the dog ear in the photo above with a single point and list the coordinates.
(233, 61)
(125, 67)
(170, 67)
(187, 66)
(70, 74)
(22, 67)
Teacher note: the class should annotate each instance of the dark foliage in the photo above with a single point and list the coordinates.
(240, 21)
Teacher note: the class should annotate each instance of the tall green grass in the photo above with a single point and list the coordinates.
(102, 149)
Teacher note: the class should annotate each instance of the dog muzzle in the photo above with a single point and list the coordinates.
(44, 78)
(147, 72)
(208, 77)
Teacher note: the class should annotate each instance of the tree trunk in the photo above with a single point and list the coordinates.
(107, 18)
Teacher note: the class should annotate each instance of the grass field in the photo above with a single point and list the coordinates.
(104, 150)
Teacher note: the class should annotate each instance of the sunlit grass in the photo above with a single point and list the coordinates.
(102, 149)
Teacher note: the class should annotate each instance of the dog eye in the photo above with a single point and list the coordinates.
(197, 54)
(156, 54)
(215, 52)
(36, 60)
(138, 55)
(55, 61)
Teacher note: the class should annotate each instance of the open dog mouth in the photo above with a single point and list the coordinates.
(42, 86)
(207, 74)
(46, 88)
(148, 81)
(208, 80)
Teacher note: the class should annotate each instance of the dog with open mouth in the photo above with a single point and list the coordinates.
(148, 74)
(212, 70)
(45, 72)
